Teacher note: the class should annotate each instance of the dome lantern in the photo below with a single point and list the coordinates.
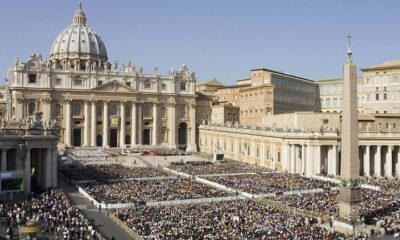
(79, 17)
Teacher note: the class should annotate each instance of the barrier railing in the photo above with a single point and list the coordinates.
(193, 201)
(125, 227)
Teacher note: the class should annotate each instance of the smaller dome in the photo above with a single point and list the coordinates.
(78, 41)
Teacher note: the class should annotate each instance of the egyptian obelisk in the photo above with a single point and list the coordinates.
(349, 197)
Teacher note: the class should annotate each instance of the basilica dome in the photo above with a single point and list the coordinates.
(78, 42)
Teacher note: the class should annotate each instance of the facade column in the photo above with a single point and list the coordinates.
(262, 155)
(378, 161)
(46, 108)
(172, 125)
(68, 117)
(303, 159)
(105, 124)
(93, 125)
(86, 124)
(155, 130)
(140, 123)
(367, 162)
(134, 124)
(192, 147)
(298, 158)
(27, 186)
(388, 165)
(54, 180)
(273, 157)
(122, 125)
(3, 160)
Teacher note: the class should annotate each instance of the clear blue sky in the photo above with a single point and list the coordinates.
(215, 38)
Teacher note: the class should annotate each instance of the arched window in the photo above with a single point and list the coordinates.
(31, 108)
(77, 111)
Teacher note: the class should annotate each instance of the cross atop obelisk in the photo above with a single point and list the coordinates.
(349, 51)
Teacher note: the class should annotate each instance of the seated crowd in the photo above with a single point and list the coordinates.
(151, 191)
(219, 168)
(219, 221)
(374, 206)
(61, 219)
(156, 151)
(273, 182)
(104, 172)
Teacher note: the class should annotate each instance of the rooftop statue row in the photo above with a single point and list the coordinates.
(30, 123)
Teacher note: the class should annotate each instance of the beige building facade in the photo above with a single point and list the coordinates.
(101, 104)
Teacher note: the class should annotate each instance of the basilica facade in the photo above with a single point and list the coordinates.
(96, 103)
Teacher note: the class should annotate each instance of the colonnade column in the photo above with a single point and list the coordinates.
(335, 160)
(292, 158)
(310, 160)
(105, 124)
(86, 124)
(3, 159)
(27, 186)
(273, 157)
(122, 125)
(192, 134)
(94, 125)
(398, 162)
(285, 156)
(134, 124)
(262, 155)
(367, 161)
(54, 179)
(172, 125)
(155, 124)
(298, 159)
(317, 159)
(140, 123)
(378, 161)
(388, 165)
(68, 117)
(48, 168)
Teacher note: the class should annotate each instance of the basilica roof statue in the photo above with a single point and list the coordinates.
(78, 46)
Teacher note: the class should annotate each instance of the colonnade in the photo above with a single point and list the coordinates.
(380, 160)
(21, 163)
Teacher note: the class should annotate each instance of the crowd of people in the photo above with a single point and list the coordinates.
(219, 168)
(52, 208)
(151, 191)
(273, 182)
(156, 151)
(242, 219)
(104, 172)
(89, 154)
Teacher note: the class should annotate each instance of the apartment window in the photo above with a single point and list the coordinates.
(58, 82)
(32, 78)
(376, 96)
(384, 96)
(128, 84)
(163, 86)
